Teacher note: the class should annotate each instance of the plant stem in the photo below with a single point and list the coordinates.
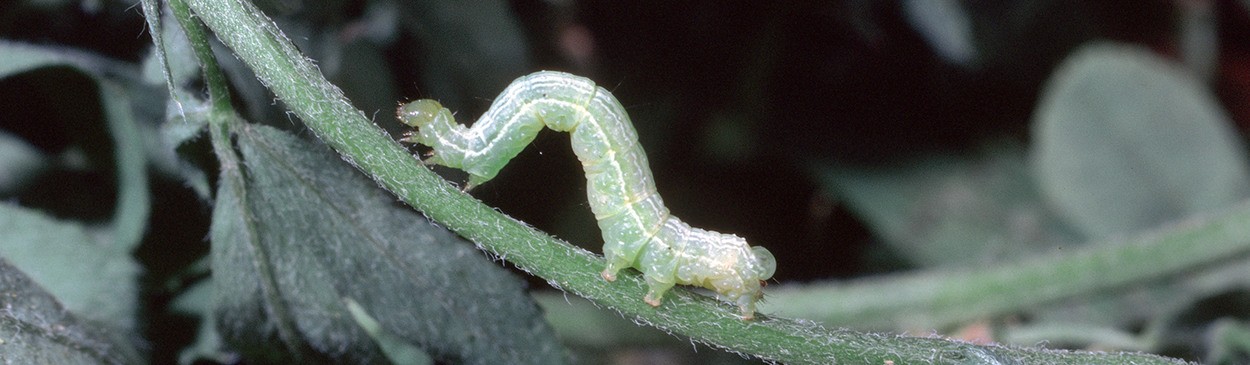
(937, 298)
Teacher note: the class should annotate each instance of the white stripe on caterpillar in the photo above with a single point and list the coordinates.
(637, 229)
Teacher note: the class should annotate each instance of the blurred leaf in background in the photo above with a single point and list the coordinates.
(85, 259)
(1125, 140)
(954, 211)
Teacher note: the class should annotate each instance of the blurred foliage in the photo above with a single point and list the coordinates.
(1124, 141)
(850, 138)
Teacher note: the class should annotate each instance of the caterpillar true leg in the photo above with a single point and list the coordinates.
(637, 229)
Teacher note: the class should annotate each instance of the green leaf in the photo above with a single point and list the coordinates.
(74, 263)
(17, 58)
(308, 230)
(36, 329)
(89, 269)
(197, 301)
(953, 211)
(129, 146)
(130, 217)
(398, 351)
(20, 162)
(1126, 140)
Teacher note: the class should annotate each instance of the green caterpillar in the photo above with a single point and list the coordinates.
(637, 229)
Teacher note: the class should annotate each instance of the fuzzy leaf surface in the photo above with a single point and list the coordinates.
(310, 231)
(36, 329)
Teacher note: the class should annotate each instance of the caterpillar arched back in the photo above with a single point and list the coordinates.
(638, 231)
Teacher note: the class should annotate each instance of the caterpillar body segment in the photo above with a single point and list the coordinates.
(638, 230)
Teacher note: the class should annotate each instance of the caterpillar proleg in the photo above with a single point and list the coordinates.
(638, 230)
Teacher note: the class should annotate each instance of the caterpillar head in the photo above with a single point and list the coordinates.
(732, 268)
(437, 128)
(420, 113)
(756, 266)
(433, 122)
(765, 264)
(756, 269)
